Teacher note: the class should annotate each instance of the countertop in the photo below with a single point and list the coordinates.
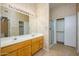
(16, 39)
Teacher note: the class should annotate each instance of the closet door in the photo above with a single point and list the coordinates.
(70, 31)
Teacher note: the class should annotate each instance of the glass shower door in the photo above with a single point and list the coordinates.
(51, 33)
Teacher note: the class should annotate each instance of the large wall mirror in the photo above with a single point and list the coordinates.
(13, 23)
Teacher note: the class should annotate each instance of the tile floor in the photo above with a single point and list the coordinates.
(58, 50)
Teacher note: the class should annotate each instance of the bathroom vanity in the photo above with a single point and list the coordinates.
(25, 45)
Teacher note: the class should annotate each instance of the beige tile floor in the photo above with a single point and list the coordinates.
(58, 50)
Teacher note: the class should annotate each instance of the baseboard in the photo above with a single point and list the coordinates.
(77, 52)
(51, 45)
(46, 49)
(60, 42)
(70, 46)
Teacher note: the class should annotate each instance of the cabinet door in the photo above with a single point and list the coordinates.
(35, 46)
(41, 44)
(33, 49)
(0, 51)
(21, 52)
(25, 51)
(12, 54)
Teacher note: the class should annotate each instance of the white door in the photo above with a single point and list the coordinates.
(78, 35)
(70, 31)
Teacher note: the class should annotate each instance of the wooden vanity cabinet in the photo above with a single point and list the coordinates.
(25, 48)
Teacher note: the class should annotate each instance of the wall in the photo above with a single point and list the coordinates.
(63, 10)
(41, 23)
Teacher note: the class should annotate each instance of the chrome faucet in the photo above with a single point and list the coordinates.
(15, 38)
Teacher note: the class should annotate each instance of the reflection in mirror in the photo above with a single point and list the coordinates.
(13, 22)
(4, 26)
(21, 28)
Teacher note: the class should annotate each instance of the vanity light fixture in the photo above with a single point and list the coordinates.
(19, 10)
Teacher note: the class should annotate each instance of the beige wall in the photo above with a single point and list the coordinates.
(62, 11)
(43, 22)
(33, 24)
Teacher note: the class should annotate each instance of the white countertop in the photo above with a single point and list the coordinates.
(11, 40)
